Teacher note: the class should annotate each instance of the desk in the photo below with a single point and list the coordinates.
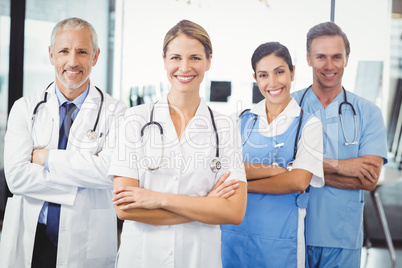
(387, 176)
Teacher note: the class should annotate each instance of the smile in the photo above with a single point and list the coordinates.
(329, 75)
(72, 72)
(185, 78)
(275, 92)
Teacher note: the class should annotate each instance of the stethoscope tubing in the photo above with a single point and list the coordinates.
(297, 133)
(90, 131)
(215, 163)
(345, 102)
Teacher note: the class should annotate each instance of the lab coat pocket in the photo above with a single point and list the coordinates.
(102, 237)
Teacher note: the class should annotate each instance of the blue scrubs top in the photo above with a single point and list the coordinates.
(335, 216)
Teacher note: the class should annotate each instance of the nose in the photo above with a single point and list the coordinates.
(272, 81)
(185, 65)
(329, 64)
(72, 60)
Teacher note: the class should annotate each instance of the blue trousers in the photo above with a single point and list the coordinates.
(318, 257)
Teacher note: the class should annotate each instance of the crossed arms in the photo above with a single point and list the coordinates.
(225, 204)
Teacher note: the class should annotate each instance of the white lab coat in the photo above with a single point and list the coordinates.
(88, 234)
(185, 170)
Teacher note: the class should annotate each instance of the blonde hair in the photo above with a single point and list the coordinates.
(191, 30)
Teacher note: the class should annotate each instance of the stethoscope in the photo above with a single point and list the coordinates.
(215, 164)
(347, 143)
(90, 133)
(289, 166)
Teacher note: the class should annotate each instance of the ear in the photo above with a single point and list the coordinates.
(293, 73)
(164, 61)
(308, 60)
(254, 77)
(346, 62)
(51, 56)
(209, 62)
(95, 60)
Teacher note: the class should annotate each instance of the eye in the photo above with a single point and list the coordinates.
(196, 58)
(320, 57)
(175, 58)
(262, 75)
(82, 52)
(280, 72)
(63, 51)
(338, 57)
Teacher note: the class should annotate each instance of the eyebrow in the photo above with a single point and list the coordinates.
(279, 67)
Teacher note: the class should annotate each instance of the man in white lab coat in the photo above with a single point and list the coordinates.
(61, 213)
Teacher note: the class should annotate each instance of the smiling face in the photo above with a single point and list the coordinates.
(274, 79)
(73, 57)
(186, 63)
(328, 59)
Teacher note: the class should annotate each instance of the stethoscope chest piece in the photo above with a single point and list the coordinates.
(215, 165)
(91, 135)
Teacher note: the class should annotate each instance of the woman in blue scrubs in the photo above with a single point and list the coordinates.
(282, 153)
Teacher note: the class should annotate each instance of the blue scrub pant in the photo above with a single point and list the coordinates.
(318, 257)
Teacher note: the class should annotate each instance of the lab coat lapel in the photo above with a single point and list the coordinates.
(199, 130)
(52, 104)
(85, 119)
(162, 116)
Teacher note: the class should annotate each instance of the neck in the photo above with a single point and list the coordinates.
(274, 109)
(71, 94)
(182, 108)
(326, 95)
(183, 104)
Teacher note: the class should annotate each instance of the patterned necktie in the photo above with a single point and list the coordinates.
(53, 213)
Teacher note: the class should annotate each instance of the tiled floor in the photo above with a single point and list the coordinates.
(378, 257)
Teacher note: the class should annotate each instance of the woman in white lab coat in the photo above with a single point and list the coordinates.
(86, 214)
(163, 182)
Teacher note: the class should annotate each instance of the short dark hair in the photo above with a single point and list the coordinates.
(326, 29)
(269, 48)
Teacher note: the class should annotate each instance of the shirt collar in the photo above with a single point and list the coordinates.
(291, 110)
(77, 101)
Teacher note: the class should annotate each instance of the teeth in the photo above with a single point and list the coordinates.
(273, 92)
(185, 78)
(72, 72)
(329, 75)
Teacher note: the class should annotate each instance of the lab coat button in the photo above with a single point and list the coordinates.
(170, 253)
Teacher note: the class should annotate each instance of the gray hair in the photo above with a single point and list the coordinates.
(326, 29)
(74, 24)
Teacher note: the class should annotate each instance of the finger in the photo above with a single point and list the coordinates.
(371, 162)
(369, 174)
(228, 194)
(123, 195)
(361, 178)
(123, 200)
(227, 186)
(220, 181)
(228, 189)
(129, 206)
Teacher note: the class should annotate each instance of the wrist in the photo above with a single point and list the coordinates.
(331, 166)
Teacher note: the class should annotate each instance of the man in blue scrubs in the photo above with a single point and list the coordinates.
(354, 152)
